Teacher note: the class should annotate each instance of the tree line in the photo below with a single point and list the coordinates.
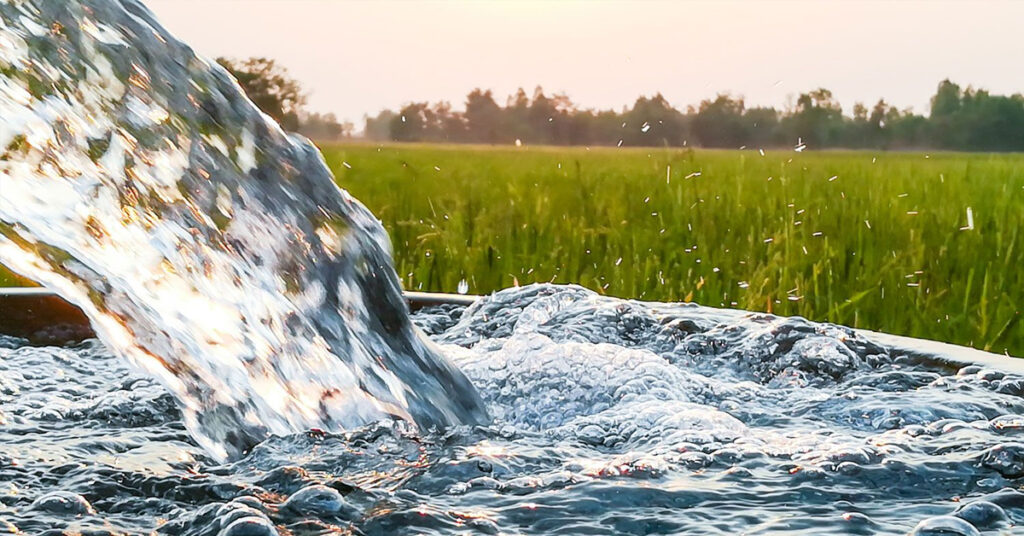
(968, 119)
(960, 119)
(269, 86)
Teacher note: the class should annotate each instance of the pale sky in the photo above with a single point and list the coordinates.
(355, 58)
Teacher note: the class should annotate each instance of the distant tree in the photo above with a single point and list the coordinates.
(541, 117)
(720, 123)
(946, 101)
(974, 119)
(446, 124)
(561, 124)
(269, 86)
(969, 119)
(990, 122)
(863, 128)
(945, 115)
(378, 128)
(879, 125)
(582, 129)
(860, 112)
(653, 121)
(608, 127)
(902, 129)
(420, 121)
(762, 127)
(878, 113)
(324, 127)
(817, 120)
(517, 117)
(483, 117)
(411, 122)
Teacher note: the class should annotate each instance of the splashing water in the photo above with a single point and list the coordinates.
(207, 246)
(213, 251)
(610, 417)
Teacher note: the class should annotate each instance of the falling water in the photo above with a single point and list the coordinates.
(207, 246)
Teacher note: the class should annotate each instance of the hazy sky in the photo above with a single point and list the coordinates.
(359, 57)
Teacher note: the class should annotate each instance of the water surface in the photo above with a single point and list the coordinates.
(610, 417)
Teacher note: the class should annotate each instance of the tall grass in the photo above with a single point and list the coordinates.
(870, 240)
(875, 241)
(8, 279)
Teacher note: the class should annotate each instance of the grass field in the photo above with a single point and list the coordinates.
(873, 240)
(8, 280)
(867, 240)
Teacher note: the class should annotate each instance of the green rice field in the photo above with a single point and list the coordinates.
(872, 240)
(881, 241)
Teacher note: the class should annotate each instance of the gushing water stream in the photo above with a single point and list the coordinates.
(208, 247)
(280, 387)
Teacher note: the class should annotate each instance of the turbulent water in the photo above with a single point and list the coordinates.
(258, 373)
(207, 246)
(609, 417)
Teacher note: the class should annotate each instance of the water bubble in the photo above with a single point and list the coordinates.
(1007, 459)
(316, 500)
(944, 526)
(63, 502)
(982, 514)
(250, 526)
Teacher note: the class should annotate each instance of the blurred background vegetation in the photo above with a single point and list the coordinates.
(965, 119)
(925, 245)
(960, 118)
(280, 96)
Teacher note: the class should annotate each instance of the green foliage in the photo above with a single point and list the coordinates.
(269, 87)
(720, 122)
(875, 241)
(483, 116)
(324, 127)
(975, 120)
(7, 279)
(378, 127)
(961, 119)
(867, 240)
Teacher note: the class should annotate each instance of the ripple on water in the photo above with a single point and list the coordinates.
(664, 430)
